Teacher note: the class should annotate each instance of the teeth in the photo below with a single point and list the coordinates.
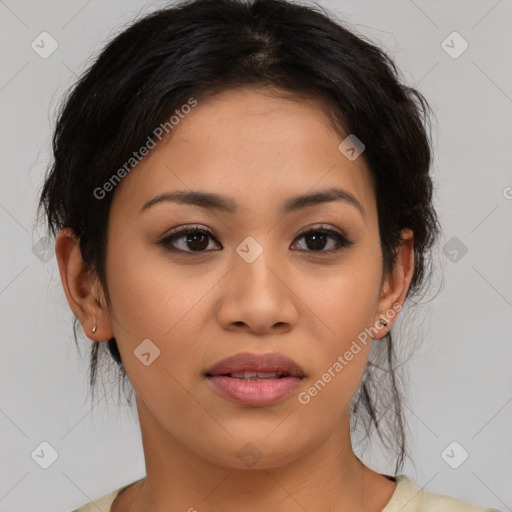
(270, 375)
(255, 375)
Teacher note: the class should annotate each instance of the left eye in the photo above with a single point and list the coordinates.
(317, 238)
(197, 240)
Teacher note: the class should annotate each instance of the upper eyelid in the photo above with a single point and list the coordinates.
(183, 230)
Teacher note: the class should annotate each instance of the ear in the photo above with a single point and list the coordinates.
(83, 292)
(396, 283)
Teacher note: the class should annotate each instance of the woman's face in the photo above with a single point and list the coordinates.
(255, 285)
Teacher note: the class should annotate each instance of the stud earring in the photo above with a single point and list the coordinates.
(383, 322)
(94, 329)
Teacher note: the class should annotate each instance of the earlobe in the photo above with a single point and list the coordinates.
(396, 284)
(80, 290)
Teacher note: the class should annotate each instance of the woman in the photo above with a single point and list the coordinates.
(242, 204)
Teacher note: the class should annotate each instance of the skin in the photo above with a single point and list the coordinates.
(199, 308)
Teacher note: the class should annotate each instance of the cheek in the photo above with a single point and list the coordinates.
(345, 303)
(149, 294)
(345, 299)
(352, 303)
(153, 299)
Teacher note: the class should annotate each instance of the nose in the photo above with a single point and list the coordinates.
(258, 297)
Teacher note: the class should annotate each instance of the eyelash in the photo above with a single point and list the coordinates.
(185, 230)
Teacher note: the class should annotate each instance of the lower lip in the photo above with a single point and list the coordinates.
(255, 393)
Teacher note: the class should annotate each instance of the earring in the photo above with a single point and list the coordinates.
(94, 329)
(383, 322)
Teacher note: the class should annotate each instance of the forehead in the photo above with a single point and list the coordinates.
(252, 145)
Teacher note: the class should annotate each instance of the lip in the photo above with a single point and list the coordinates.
(247, 362)
(257, 393)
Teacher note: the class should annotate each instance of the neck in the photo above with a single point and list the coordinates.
(327, 477)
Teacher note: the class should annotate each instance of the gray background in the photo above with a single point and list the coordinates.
(460, 378)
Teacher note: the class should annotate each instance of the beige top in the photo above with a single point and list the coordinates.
(406, 498)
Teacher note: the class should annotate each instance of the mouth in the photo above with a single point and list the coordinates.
(255, 380)
(252, 376)
(253, 367)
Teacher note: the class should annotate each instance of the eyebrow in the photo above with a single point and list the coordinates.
(223, 203)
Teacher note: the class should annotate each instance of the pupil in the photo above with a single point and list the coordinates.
(194, 237)
(319, 240)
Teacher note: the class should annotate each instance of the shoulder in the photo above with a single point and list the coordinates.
(103, 503)
(408, 497)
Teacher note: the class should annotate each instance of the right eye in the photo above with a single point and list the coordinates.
(195, 238)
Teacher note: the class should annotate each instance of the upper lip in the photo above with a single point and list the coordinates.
(247, 362)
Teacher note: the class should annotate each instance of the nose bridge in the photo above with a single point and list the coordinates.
(257, 296)
(260, 290)
(255, 263)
